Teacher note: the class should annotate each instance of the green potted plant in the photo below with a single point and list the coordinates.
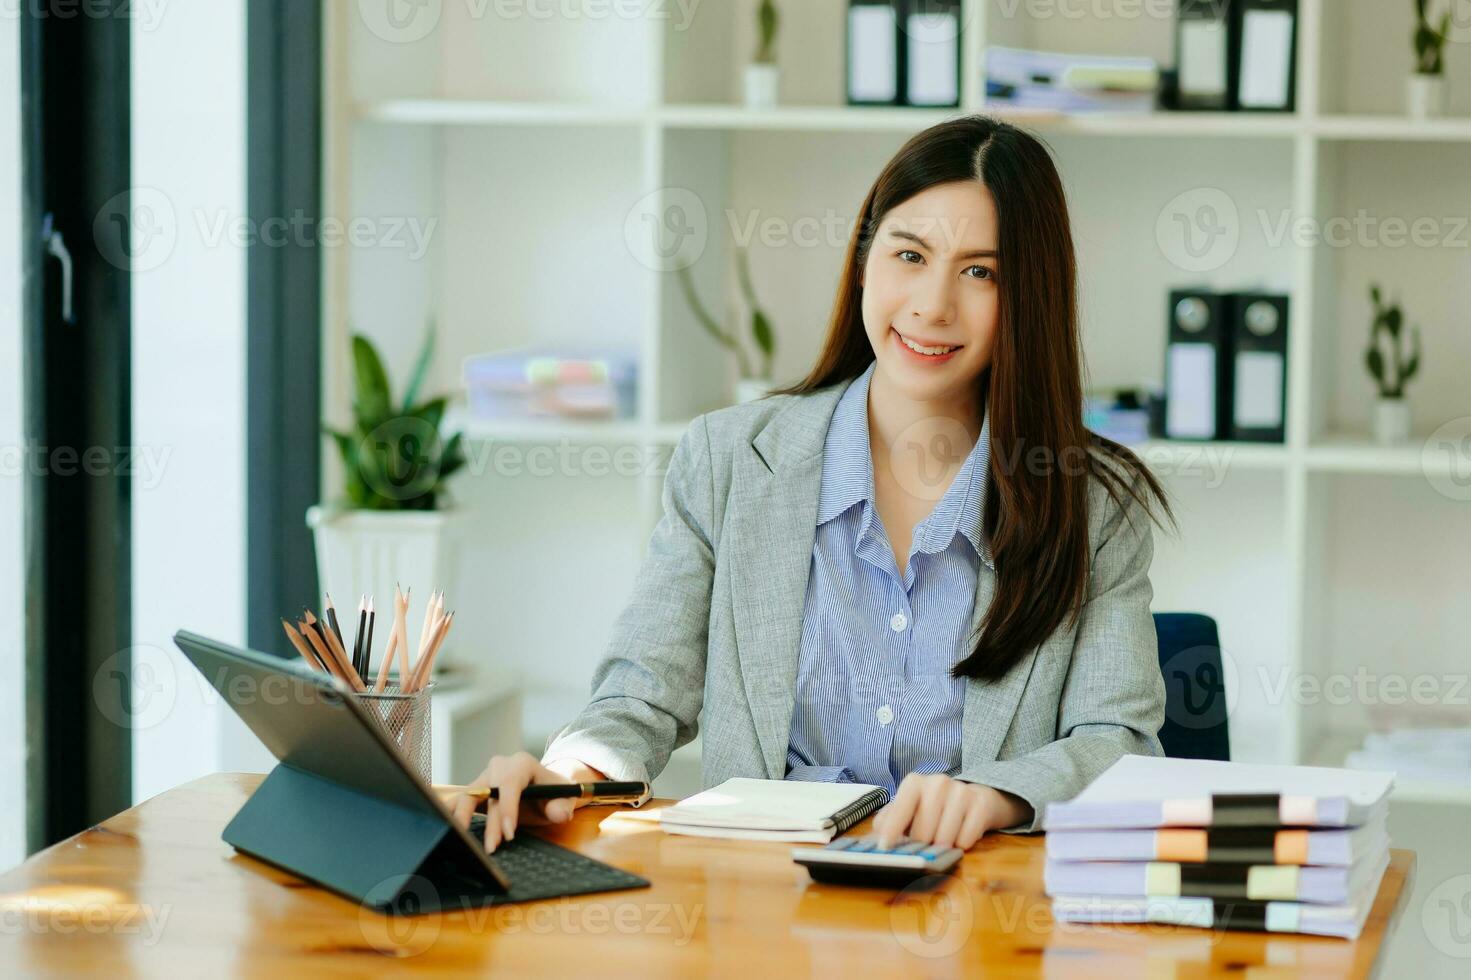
(393, 522)
(752, 380)
(1391, 364)
(1425, 88)
(762, 77)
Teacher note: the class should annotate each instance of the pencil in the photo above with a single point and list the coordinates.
(332, 619)
(403, 640)
(606, 790)
(387, 654)
(357, 638)
(426, 663)
(301, 647)
(335, 646)
(400, 604)
(427, 628)
(368, 644)
(314, 623)
(345, 669)
(323, 653)
(416, 669)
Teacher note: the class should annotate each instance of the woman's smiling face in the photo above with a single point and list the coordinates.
(930, 300)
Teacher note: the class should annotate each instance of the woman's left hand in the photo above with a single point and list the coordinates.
(946, 812)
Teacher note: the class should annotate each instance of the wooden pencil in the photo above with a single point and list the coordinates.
(335, 646)
(345, 668)
(423, 669)
(323, 654)
(434, 627)
(301, 647)
(399, 606)
(403, 640)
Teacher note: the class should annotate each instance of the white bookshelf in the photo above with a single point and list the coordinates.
(531, 143)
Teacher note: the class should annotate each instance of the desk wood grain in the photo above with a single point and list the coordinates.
(155, 891)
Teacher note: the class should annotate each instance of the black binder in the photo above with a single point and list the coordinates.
(1264, 52)
(1259, 367)
(1197, 366)
(933, 33)
(1205, 55)
(343, 810)
(875, 52)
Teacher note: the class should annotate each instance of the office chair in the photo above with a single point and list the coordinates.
(1195, 687)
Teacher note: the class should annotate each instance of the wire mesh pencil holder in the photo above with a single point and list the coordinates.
(405, 719)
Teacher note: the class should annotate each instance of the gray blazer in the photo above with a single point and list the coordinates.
(709, 640)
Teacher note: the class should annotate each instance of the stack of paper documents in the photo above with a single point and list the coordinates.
(1221, 845)
(1069, 82)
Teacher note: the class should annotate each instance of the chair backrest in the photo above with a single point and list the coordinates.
(1195, 687)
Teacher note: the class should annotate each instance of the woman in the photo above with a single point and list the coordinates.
(914, 568)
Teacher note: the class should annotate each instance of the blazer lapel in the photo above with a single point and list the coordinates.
(990, 705)
(770, 530)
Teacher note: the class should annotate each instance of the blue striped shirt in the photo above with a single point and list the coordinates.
(875, 699)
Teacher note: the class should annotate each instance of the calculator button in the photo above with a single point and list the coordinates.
(862, 845)
(933, 852)
(842, 844)
(912, 847)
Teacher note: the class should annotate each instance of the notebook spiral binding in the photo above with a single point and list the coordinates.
(858, 809)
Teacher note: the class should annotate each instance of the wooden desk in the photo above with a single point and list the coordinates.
(155, 892)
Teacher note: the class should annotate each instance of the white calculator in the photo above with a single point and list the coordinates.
(860, 861)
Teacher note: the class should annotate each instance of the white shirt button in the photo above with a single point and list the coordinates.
(898, 621)
(884, 714)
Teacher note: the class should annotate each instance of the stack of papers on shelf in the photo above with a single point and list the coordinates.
(525, 384)
(1069, 82)
(1221, 845)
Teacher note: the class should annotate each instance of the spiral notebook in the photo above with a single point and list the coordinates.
(773, 809)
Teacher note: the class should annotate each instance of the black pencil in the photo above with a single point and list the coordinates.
(332, 620)
(368, 646)
(357, 639)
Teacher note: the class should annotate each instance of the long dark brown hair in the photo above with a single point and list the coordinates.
(1036, 516)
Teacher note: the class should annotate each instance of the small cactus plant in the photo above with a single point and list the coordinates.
(1430, 40)
(766, 20)
(1392, 372)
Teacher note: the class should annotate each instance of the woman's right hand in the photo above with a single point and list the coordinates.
(510, 774)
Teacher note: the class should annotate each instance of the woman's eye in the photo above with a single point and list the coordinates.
(988, 274)
(909, 251)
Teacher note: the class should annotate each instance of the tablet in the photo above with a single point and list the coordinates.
(344, 809)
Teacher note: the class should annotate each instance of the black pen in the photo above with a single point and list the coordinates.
(604, 791)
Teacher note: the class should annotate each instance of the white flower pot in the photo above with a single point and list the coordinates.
(1425, 96)
(365, 552)
(750, 389)
(761, 84)
(1391, 421)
